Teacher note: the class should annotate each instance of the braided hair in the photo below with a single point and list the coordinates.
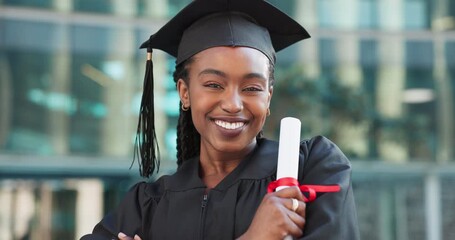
(188, 138)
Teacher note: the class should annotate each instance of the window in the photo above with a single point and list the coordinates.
(98, 6)
(416, 14)
(29, 3)
(368, 14)
(419, 97)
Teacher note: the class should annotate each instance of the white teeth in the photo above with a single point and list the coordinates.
(229, 125)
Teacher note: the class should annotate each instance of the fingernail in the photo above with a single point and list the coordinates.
(121, 235)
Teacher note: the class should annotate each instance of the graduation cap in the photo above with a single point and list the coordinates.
(201, 25)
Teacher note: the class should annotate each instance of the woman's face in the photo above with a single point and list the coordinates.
(229, 95)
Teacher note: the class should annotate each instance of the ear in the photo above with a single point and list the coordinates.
(184, 93)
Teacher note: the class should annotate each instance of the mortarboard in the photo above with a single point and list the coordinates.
(201, 25)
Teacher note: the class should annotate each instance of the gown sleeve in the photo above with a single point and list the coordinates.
(127, 218)
(331, 215)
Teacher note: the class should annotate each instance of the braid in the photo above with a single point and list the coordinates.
(188, 138)
(180, 138)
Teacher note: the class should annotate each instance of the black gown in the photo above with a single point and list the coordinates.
(176, 206)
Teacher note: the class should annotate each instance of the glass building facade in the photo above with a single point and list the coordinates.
(377, 77)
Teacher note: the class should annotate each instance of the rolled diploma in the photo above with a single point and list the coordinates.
(288, 150)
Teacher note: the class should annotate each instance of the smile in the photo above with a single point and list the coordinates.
(229, 125)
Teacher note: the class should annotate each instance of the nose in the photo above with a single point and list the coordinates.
(231, 102)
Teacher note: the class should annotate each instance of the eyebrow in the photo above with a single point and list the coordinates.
(213, 71)
(224, 75)
(255, 75)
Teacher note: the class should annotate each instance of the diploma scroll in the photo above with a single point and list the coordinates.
(288, 151)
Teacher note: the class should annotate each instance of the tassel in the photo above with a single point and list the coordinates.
(146, 144)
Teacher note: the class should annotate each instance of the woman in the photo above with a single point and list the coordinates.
(225, 52)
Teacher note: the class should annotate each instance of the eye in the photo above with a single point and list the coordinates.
(213, 85)
(252, 89)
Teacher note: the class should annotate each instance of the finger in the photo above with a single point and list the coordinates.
(136, 237)
(300, 208)
(297, 219)
(295, 210)
(123, 236)
(290, 192)
(296, 225)
(289, 204)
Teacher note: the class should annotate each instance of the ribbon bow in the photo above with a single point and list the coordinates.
(312, 190)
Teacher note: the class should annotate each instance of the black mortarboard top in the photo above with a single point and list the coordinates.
(193, 29)
(210, 23)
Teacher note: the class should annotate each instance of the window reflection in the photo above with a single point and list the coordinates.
(29, 3)
(416, 14)
(98, 6)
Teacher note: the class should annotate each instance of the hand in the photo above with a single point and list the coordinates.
(275, 219)
(122, 236)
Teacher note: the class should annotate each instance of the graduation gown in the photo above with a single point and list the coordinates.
(177, 207)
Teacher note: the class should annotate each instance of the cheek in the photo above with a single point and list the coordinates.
(199, 100)
(201, 104)
(260, 107)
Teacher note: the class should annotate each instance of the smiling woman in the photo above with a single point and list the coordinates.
(225, 84)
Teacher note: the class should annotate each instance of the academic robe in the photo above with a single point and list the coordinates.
(177, 207)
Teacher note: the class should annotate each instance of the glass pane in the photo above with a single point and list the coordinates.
(26, 118)
(447, 203)
(326, 13)
(368, 14)
(29, 3)
(286, 6)
(327, 52)
(98, 6)
(175, 6)
(30, 105)
(369, 65)
(416, 14)
(449, 96)
(419, 94)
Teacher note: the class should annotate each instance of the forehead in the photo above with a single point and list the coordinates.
(238, 57)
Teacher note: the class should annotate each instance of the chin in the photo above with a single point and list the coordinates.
(235, 145)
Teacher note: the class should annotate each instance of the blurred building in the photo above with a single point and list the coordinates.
(377, 77)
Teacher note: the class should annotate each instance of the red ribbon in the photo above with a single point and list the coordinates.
(310, 189)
